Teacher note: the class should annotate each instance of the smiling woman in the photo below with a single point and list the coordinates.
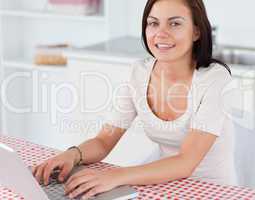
(178, 95)
(198, 24)
(170, 37)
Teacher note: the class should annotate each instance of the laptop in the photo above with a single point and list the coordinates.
(16, 176)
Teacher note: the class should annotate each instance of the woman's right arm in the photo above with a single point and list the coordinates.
(93, 150)
(98, 148)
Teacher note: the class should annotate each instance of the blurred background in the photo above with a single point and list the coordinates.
(61, 61)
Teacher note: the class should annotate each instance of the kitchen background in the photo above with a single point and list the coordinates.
(61, 63)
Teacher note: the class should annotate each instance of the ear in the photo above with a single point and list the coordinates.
(196, 34)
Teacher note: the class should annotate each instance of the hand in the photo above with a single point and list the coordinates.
(64, 162)
(92, 182)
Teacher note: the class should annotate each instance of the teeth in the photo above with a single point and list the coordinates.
(164, 46)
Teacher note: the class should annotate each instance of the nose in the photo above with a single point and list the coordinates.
(162, 32)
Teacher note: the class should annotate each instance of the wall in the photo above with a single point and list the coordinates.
(234, 19)
(135, 8)
(42, 30)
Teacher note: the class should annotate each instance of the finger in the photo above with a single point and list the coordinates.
(83, 188)
(64, 172)
(36, 166)
(76, 182)
(95, 190)
(48, 170)
(33, 169)
(80, 173)
(39, 172)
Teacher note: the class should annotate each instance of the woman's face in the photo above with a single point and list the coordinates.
(170, 32)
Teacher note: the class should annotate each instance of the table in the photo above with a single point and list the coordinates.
(184, 189)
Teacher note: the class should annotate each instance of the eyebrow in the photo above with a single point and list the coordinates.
(169, 19)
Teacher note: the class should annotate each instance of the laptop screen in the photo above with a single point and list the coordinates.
(16, 176)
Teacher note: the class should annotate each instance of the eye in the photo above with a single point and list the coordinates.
(174, 24)
(153, 24)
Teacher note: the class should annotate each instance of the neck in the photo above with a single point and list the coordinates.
(178, 70)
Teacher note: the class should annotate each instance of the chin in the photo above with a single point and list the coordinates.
(170, 57)
(165, 58)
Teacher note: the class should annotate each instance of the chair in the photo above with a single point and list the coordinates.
(245, 155)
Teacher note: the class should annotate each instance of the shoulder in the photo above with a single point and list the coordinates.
(143, 64)
(140, 68)
(212, 74)
(211, 82)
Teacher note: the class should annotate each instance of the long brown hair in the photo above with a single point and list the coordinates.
(202, 48)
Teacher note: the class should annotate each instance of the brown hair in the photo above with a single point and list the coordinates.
(202, 48)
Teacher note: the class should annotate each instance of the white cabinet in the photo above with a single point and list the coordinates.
(61, 107)
(25, 23)
(243, 87)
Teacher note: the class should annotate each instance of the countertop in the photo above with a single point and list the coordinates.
(123, 50)
(242, 71)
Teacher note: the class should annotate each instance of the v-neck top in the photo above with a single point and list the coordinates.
(189, 100)
(205, 111)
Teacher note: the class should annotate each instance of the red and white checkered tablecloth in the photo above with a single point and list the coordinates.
(185, 189)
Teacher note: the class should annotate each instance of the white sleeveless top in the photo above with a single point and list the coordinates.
(205, 111)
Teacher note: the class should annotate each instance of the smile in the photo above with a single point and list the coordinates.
(162, 46)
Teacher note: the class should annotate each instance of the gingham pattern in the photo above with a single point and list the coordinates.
(185, 189)
(7, 194)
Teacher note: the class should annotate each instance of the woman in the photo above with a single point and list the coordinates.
(177, 94)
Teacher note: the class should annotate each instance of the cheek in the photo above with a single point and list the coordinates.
(150, 34)
(180, 35)
(184, 37)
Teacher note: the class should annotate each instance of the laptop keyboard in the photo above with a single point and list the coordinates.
(55, 190)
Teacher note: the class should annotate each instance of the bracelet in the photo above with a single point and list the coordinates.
(80, 153)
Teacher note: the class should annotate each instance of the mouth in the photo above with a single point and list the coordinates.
(164, 46)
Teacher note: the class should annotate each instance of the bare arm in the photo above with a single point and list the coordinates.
(96, 149)
(193, 150)
(93, 150)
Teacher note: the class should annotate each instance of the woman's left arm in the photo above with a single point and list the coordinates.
(192, 151)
